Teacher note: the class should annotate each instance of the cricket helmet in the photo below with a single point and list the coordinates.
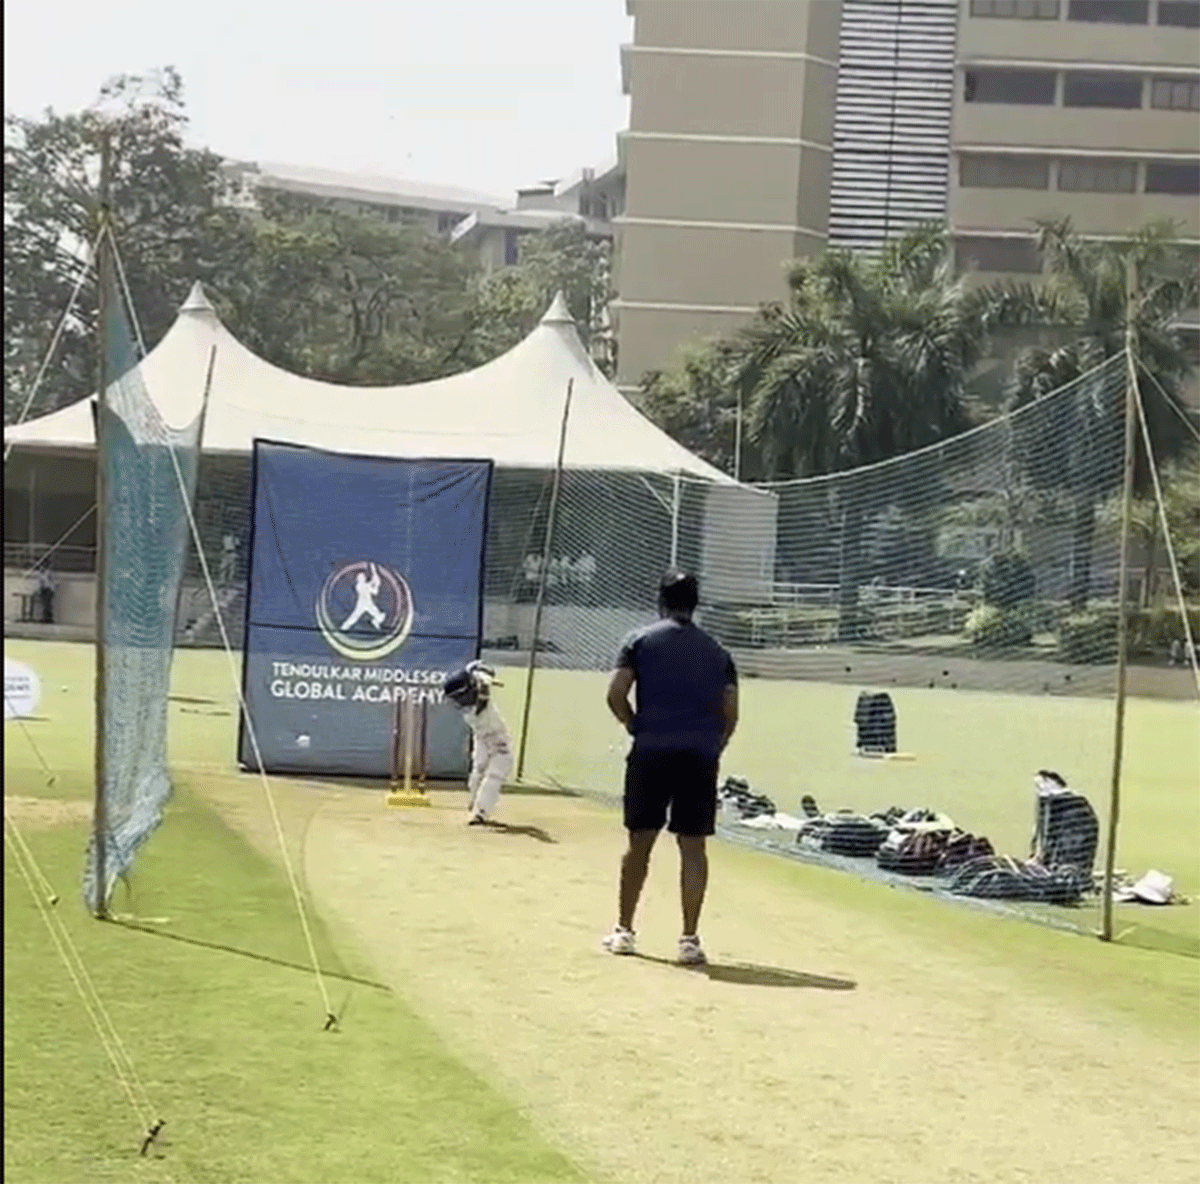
(462, 689)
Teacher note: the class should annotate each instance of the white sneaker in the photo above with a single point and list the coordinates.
(691, 953)
(620, 941)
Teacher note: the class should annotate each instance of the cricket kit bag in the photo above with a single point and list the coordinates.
(1001, 877)
(916, 843)
(875, 723)
(1066, 830)
(844, 833)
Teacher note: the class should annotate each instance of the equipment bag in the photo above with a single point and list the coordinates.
(875, 722)
(1066, 830)
(913, 852)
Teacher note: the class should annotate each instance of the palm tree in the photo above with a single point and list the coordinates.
(1084, 296)
(869, 359)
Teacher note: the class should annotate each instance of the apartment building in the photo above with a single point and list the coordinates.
(762, 130)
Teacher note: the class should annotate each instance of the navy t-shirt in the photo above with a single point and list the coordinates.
(680, 674)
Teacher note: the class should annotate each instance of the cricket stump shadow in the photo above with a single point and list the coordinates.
(750, 974)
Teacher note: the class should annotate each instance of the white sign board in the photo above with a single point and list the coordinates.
(22, 689)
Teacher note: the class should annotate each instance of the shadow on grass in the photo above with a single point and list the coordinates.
(530, 832)
(251, 954)
(748, 974)
(382, 785)
(1159, 941)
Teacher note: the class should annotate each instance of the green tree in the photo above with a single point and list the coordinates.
(349, 298)
(869, 359)
(1077, 450)
(567, 258)
(696, 402)
(165, 198)
(1180, 484)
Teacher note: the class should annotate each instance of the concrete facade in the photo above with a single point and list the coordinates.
(764, 130)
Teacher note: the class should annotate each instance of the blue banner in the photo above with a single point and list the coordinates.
(366, 589)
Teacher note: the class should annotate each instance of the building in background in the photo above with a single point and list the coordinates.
(594, 196)
(489, 225)
(438, 209)
(764, 130)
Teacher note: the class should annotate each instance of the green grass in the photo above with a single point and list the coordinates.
(229, 1044)
(976, 753)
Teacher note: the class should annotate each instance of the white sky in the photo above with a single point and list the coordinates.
(483, 94)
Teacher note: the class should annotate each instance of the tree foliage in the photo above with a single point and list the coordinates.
(165, 197)
(1085, 293)
(325, 292)
(349, 299)
(868, 360)
(696, 401)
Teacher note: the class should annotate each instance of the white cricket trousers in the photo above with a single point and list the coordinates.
(491, 763)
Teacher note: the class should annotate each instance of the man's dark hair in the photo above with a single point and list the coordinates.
(678, 593)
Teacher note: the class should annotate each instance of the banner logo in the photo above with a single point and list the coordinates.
(365, 611)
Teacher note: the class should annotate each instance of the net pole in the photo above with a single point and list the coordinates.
(551, 523)
(675, 499)
(103, 254)
(1131, 418)
(737, 437)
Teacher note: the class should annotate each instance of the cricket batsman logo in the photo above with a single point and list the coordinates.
(365, 611)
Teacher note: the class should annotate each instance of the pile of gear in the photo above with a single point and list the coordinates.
(736, 797)
(927, 843)
(917, 842)
(1062, 854)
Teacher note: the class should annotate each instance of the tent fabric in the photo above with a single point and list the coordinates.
(509, 409)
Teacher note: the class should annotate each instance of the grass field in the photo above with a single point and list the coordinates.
(483, 1039)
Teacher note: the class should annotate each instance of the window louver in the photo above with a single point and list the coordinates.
(895, 96)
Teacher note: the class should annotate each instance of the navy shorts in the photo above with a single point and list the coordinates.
(675, 789)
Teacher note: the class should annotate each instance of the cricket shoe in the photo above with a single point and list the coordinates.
(691, 952)
(620, 941)
(477, 820)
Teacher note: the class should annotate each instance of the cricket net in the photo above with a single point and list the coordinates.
(148, 472)
(974, 583)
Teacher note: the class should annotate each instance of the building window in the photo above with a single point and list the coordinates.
(1021, 10)
(1013, 255)
(1003, 172)
(1024, 87)
(1172, 176)
(1110, 12)
(512, 248)
(1097, 176)
(1102, 89)
(1179, 14)
(1175, 94)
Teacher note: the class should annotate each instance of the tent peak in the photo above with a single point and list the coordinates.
(197, 300)
(558, 313)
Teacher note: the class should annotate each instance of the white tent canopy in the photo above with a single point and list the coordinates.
(509, 410)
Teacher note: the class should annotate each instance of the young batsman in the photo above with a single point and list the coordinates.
(470, 690)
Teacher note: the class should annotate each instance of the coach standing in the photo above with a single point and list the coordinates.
(686, 691)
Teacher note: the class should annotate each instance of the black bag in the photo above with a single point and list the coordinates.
(853, 835)
(1000, 877)
(1066, 832)
(875, 722)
